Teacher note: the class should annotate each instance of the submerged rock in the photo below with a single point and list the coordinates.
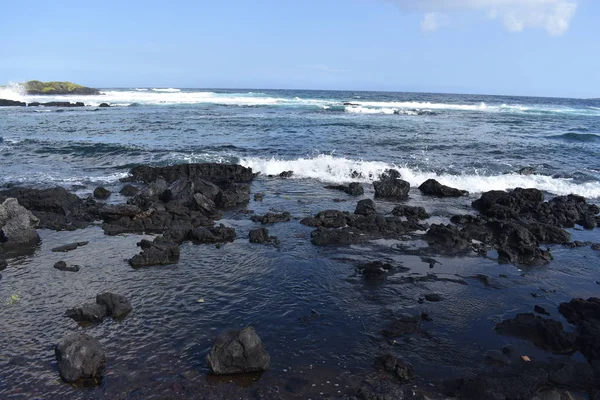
(375, 270)
(545, 333)
(17, 224)
(161, 251)
(398, 368)
(68, 247)
(81, 359)
(238, 351)
(272, 218)
(404, 325)
(431, 187)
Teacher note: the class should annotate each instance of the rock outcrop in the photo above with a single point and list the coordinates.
(238, 351)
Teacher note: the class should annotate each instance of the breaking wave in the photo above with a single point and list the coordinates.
(327, 168)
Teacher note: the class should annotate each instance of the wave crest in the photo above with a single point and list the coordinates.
(328, 168)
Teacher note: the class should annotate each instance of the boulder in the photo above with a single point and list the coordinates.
(365, 207)
(17, 224)
(101, 193)
(117, 306)
(81, 359)
(103, 105)
(388, 187)
(88, 312)
(161, 251)
(62, 266)
(431, 187)
(238, 351)
(326, 219)
(286, 174)
(447, 238)
(272, 218)
(261, 235)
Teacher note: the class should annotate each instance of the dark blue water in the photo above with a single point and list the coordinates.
(470, 142)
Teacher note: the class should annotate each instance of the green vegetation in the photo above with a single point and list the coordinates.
(38, 87)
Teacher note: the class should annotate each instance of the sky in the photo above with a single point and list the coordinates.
(510, 47)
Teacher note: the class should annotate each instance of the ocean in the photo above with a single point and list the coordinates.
(318, 318)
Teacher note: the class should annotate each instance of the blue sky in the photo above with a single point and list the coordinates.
(513, 47)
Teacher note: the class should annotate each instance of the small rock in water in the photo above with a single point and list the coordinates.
(433, 297)
(261, 235)
(103, 105)
(272, 218)
(286, 174)
(68, 247)
(258, 197)
(374, 270)
(238, 351)
(62, 266)
(101, 193)
(81, 359)
(431, 187)
(88, 313)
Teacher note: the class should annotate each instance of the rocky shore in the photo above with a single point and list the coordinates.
(183, 204)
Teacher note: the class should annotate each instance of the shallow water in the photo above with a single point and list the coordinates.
(272, 287)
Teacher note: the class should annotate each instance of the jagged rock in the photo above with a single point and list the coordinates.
(62, 266)
(261, 235)
(447, 237)
(286, 174)
(326, 219)
(391, 186)
(129, 190)
(545, 333)
(410, 212)
(158, 252)
(88, 313)
(17, 224)
(431, 187)
(80, 359)
(216, 234)
(272, 218)
(117, 305)
(238, 351)
(578, 310)
(56, 208)
(102, 193)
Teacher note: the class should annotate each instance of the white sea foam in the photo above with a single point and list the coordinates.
(167, 90)
(13, 91)
(328, 168)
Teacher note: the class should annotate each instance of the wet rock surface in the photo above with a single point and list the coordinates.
(431, 187)
(81, 359)
(160, 251)
(238, 351)
(62, 266)
(391, 186)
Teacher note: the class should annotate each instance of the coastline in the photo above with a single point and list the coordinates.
(411, 258)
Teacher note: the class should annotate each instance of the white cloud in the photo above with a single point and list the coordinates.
(433, 21)
(552, 15)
